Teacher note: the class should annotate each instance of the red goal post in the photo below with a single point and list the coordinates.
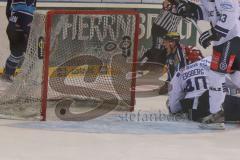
(78, 57)
(49, 21)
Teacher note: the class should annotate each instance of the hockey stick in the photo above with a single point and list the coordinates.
(138, 74)
(195, 25)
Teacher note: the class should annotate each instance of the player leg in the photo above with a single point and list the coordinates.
(197, 107)
(224, 56)
(18, 43)
(232, 103)
(231, 108)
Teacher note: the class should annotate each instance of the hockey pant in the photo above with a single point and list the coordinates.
(226, 59)
(231, 108)
(197, 107)
(18, 38)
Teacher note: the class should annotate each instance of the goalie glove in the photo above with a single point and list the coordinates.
(208, 36)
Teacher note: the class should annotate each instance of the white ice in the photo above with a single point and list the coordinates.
(115, 137)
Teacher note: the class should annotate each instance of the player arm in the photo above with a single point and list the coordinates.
(8, 8)
(193, 11)
(234, 79)
(189, 9)
(176, 93)
(229, 15)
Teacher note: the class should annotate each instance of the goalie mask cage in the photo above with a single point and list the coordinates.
(76, 57)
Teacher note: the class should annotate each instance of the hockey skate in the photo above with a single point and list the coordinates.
(213, 121)
(6, 78)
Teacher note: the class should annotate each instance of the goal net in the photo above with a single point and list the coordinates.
(75, 58)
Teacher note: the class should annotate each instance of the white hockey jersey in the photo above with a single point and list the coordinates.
(188, 83)
(224, 16)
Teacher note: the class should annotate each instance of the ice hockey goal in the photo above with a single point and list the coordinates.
(78, 57)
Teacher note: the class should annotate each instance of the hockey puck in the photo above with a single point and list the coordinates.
(63, 111)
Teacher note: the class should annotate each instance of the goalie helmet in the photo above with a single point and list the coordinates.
(172, 36)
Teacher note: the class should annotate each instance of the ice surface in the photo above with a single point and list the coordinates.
(116, 137)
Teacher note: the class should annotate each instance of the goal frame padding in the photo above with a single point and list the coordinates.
(48, 25)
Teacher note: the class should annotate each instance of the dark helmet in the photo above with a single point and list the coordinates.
(172, 36)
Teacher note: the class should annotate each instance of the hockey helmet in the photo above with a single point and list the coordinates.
(172, 36)
(193, 54)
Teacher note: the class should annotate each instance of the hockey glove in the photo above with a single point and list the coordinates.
(188, 9)
(208, 36)
(183, 9)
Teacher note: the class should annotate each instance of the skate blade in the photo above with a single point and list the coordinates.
(212, 126)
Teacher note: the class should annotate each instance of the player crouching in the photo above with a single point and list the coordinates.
(189, 93)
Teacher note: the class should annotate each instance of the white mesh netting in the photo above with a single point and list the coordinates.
(89, 57)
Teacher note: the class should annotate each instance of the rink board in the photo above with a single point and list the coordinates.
(147, 12)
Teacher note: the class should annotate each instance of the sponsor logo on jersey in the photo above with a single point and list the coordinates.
(223, 66)
(210, 13)
(215, 89)
(13, 19)
(227, 6)
(191, 65)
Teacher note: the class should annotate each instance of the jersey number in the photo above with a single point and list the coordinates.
(200, 83)
(223, 18)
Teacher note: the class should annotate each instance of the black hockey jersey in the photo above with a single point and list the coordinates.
(22, 6)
